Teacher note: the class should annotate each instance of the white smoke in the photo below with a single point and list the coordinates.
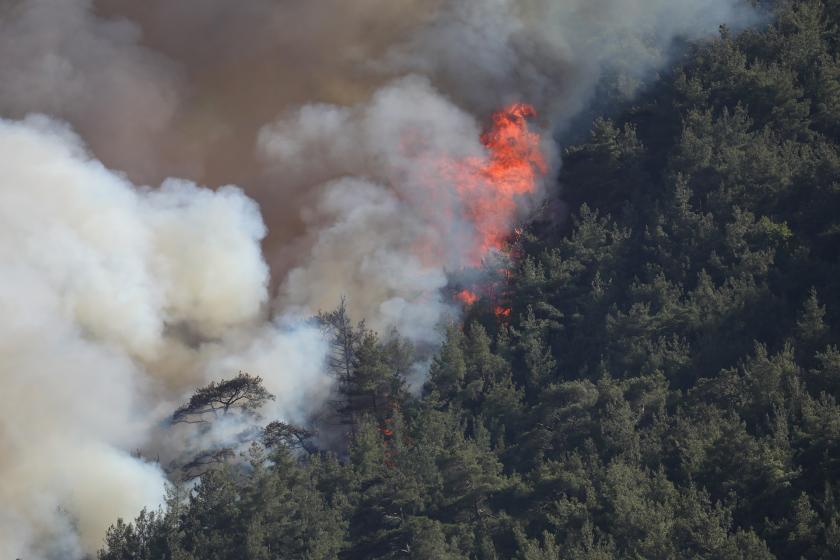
(367, 236)
(366, 250)
(108, 291)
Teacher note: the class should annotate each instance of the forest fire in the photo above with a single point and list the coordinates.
(467, 297)
(488, 187)
(343, 199)
(502, 312)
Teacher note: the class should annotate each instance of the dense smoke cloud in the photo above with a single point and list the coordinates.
(57, 57)
(117, 301)
(338, 118)
(378, 204)
(552, 54)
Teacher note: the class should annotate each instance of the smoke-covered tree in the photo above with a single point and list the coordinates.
(369, 373)
(344, 338)
(144, 539)
(243, 394)
(281, 434)
(238, 399)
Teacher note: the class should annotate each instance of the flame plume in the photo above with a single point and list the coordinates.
(489, 188)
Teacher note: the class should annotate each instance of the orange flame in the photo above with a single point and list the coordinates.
(485, 192)
(489, 187)
(467, 297)
(502, 312)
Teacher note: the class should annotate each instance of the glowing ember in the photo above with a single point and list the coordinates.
(489, 187)
(502, 312)
(467, 297)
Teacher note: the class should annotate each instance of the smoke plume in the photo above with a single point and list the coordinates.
(116, 301)
(369, 164)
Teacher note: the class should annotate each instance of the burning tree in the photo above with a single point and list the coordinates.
(489, 188)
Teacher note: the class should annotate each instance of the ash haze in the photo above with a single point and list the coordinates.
(119, 298)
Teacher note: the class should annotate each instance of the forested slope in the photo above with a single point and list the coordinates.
(664, 384)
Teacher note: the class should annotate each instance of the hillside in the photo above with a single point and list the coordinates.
(655, 374)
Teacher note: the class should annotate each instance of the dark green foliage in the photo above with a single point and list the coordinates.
(665, 386)
(144, 539)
